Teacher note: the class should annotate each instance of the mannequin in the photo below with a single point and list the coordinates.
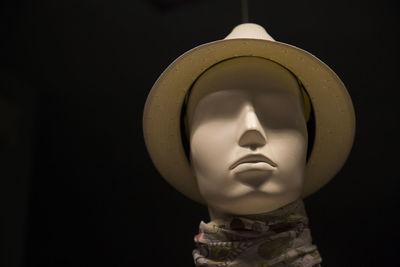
(243, 103)
(248, 146)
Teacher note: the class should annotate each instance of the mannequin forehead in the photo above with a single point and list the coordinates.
(245, 77)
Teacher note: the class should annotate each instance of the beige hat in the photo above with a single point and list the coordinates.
(331, 103)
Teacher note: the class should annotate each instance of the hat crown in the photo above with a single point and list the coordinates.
(249, 30)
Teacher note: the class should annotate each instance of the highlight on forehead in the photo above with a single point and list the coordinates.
(241, 73)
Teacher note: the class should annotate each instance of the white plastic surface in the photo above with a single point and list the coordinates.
(248, 136)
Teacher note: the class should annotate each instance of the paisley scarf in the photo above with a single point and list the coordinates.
(277, 238)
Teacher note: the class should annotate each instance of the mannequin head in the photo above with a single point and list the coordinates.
(248, 136)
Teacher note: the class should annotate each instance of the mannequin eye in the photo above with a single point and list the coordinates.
(216, 107)
(278, 111)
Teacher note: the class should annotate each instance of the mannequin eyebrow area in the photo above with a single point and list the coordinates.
(239, 81)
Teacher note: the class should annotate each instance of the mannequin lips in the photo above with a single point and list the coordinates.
(253, 158)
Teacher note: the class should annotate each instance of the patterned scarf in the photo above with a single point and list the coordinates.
(277, 238)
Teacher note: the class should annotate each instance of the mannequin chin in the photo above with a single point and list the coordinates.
(248, 136)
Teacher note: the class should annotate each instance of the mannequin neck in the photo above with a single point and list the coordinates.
(218, 214)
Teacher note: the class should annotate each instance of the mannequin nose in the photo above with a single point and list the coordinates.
(252, 134)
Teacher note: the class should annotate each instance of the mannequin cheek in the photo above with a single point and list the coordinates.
(210, 148)
(204, 160)
(290, 150)
(288, 143)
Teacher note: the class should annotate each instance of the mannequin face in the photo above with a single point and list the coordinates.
(248, 136)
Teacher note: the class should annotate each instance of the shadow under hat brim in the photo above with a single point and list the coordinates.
(332, 106)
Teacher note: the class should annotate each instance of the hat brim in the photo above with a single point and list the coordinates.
(332, 106)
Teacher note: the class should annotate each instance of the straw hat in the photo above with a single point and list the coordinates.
(331, 103)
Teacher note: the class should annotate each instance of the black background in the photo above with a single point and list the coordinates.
(77, 187)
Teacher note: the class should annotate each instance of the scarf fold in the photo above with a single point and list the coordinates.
(277, 238)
